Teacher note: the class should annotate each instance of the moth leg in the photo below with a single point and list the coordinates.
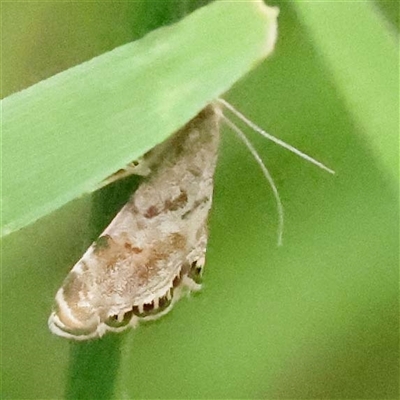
(139, 167)
(142, 166)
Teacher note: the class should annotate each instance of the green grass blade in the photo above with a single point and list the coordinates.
(316, 318)
(61, 137)
(361, 52)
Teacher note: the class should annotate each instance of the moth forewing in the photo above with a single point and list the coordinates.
(154, 250)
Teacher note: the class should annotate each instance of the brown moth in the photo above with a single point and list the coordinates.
(153, 252)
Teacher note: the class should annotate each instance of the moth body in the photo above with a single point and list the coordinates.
(153, 252)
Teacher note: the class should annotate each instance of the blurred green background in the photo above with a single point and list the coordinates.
(316, 318)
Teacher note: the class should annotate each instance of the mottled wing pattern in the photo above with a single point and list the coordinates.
(154, 250)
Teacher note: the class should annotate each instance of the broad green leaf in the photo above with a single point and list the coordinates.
(362, 55)
(64, 135)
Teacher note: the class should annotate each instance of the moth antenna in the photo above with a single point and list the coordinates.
(266, 173)
(280, 142)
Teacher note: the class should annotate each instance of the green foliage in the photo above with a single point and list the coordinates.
(316, 318)
(64, 135)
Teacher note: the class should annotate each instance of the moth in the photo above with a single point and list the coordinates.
(153, 252)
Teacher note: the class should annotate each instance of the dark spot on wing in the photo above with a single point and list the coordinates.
(101, 243)
(135, 310)
(113, 320)
(163, 303)
(151, 212)
(177, 280)
(176, 203)
(148, 307)
(196, 204)
(128, 246)
(177, 241)
(84, 266)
